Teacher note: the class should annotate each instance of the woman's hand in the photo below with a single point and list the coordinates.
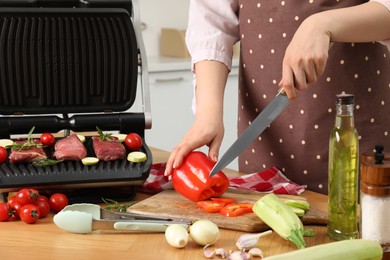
(306, 55)
(202, 132)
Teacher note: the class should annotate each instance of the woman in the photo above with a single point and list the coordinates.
(319, 47)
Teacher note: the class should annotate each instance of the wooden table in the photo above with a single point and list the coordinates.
(44, 240)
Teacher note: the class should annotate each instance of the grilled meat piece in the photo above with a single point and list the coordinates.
(27, 154)
(70, 148)
(106, 150)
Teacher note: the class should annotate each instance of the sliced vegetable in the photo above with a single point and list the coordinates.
(6, 143)
(136, 157)
(236, 209)
(210, 206)
(204, 232)
(121, 137)
(176, 235)
(353, 249)
(224, 200)
(81, 138)
(300, 212)
(90, 160)
(280, 217)
(192, 179)
(302, 204)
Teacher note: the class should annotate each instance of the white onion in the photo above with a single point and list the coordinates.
(176, 235)
(204, 232)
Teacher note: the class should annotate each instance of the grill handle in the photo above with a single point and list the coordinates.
(122, 122)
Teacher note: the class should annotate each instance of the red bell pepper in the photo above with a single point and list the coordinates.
(192, 179)
(236, 209)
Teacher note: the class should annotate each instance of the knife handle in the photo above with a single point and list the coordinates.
(141, 226)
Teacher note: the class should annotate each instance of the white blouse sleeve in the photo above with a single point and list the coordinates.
(212, 30)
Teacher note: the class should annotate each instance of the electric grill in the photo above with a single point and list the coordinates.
(71, 66)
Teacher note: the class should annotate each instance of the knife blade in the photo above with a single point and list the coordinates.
(261, 122)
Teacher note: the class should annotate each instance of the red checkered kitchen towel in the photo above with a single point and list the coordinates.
(270, 180)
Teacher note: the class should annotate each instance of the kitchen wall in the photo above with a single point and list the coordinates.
(157, 14)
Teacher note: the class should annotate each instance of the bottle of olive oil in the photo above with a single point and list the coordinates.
(343, 172)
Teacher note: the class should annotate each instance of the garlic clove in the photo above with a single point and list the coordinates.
(221, 252)
(250, 240)
(239, 255)
(256, 252)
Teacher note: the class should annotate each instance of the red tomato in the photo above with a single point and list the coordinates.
(236, 209)
(44, 208)
(225, 200)
(27, 196)
(14, 205)
(43, 198)
(3, 154)
(58, 201)
(5, 212)
(210, 206)
(133, 141)
(29, 213)
(192, 179)
(47, 139)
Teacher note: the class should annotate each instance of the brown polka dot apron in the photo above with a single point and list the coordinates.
(297, 141)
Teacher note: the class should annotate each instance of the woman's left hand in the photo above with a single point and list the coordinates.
(306, 56)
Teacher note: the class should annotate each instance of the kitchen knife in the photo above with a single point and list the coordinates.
(261, 122)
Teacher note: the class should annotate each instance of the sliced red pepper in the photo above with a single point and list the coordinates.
(224, 200)
(236, 209)
(210, 206)
(192, 179)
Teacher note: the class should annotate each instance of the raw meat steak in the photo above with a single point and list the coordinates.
(108, 150)
(31, 154)
(70, 148)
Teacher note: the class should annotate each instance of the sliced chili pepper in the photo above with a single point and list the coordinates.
(224, 200)
(210, 206)
(192, 179)
(236, 209)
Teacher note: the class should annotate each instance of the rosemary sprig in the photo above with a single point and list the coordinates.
(46, 162)
(103, 136)
(116, 206)
(28, 144)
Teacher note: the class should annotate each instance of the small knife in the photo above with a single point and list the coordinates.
(261, 122)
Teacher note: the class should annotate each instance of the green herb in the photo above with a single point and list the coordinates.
(27, 144)
(103, 136)
(116, 206)
(46, 162)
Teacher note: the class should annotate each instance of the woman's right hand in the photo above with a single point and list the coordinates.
(202, 132)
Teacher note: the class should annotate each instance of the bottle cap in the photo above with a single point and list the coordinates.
(345, 99)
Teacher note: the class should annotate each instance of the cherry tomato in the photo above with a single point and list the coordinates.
(210, 206)
(3, 154)
(4, 211)
(15, 206)
(27, 196)
(58, 201)
(47, 139)
(42, 198)
(44, 208)
(236, 209)
(29, 213)
(133, 141)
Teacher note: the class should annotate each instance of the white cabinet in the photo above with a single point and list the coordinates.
(171, 97)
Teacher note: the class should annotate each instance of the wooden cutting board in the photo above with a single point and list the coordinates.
(171, 204)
